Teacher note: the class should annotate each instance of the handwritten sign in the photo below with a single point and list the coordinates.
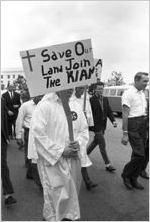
(58, 67)
(98, 68)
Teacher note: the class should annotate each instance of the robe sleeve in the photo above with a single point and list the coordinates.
(45, 147)
(83, 138)
(89, 114)
(20, 121)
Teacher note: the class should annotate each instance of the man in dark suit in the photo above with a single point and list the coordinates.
(6, 182)
(13, 103)
(101, 110)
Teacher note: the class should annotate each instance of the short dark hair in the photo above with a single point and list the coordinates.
(139, 75)
(99, 84)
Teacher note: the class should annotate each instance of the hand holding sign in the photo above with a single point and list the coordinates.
(71, 150)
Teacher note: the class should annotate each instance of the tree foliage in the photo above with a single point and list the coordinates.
(116, 79)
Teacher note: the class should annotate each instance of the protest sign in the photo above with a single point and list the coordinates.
(58, 67)
(98, 68)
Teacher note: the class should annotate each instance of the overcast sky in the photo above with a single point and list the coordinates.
(119, 31)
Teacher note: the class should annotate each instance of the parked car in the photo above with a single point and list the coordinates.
(114, 94)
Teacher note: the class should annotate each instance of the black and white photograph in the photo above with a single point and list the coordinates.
(75, 110)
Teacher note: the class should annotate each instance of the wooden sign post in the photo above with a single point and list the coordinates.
(68, 115)
(84, 101)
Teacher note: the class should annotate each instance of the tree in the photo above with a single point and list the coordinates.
(116, 79)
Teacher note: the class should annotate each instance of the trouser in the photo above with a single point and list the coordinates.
(99, 140)
(85, 175)
(32, 170)
(14, 128)
(12, 124)
(35, 175)
(146, 160)
(137, 139)
(27, 161)
(6, 182)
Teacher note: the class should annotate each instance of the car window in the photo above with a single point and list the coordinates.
(106, 92)
(120, 92)
(112, 92)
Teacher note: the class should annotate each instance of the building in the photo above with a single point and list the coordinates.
(9, 75)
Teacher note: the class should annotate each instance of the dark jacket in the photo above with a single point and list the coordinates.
(10, 102)
(99, 115)
(4, 126)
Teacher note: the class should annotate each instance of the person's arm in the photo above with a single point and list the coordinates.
(4, 121)
(125, 114)
(19, 100)
(19, 121)
(9, 112)
(126, 105)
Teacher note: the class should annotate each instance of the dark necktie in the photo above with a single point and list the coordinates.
(101, 102)
(11, 95)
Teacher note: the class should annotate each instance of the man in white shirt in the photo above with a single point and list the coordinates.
(134, 129)
(59, 160)
(23, 122)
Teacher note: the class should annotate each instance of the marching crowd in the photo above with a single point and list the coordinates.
(56, 163)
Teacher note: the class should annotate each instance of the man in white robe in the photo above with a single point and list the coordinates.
(59, 161)
(79, 97)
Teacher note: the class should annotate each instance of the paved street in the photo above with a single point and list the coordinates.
(110, 201)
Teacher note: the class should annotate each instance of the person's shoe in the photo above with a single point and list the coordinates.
(90, 185)
(136, 184)
(144, 174)
(110, 168)
(127, 182)
(10, 200)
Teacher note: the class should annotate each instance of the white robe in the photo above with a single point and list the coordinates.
(88, 109)
(60, 177)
